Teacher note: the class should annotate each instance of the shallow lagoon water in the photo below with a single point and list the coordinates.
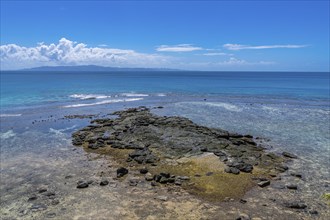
(36, 145)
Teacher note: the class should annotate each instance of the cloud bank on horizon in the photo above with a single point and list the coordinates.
(248, 47)
(67, 52)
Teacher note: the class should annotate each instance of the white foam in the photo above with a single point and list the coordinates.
(60, 131)
(102, 102)
(227, 106)
(161, 94)
(10, 115)
(89, 96)
(272, 109)
(134, 94)
(7, 134)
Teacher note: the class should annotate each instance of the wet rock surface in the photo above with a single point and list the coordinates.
(170, 150)
(147, 133)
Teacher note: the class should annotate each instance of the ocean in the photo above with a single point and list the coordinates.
(291, 109)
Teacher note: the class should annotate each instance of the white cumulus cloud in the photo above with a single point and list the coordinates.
(232, 61)
(249, 47)
(67, 52)
(216, 54)
(178, 48)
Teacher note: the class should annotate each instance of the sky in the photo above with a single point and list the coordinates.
(289, 35)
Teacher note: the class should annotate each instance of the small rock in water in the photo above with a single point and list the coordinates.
(104, 182)
(49, 194)
(243, 201)
(33, 197)
(264, 183)
(203, 149)
(289, 155)
(295, 205)
(41, 190)
(144, 171)
(122, 172)
(243, 216)
(50, 215)
(133, 182)
(292, 186)
(82, 184)
(38, 207)
(298, 175)
(282, 168)
(55, 202)
(148, 177)
(232, 170)
(314, 212)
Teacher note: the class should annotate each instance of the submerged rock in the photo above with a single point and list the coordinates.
(122, 172)
(295, 205)
(264, 183)
(38, 207)
(289, 155)
(143, 171)
(292, 186)
(104, 182)
(82, 184)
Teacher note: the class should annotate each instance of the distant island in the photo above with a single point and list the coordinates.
(94, 68)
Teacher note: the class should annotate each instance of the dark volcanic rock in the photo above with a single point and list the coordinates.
(232, 170)
(295, 205)
(292, 186)
(122, 172)
(282, 167)
(264, 183)
(143, 171)
(155, 138)
(82, 184)
(240, 165)
(289, 155)
(314, 212)
(143, 156)
(243, 217)
(33, 197)
(41, 190)
(298, 175)
(104, 182)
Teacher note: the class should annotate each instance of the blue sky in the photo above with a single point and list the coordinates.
(195, 35)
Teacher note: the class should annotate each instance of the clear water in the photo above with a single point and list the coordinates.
(291, 109)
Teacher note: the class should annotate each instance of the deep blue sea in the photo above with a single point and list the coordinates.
(292, 109)
(25, 89)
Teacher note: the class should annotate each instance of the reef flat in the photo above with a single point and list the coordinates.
(212, 164)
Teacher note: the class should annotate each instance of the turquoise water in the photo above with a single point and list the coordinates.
(19, 89)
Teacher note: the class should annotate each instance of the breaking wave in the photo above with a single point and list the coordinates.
(89, 96)
(10, 115)
(102, 102)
